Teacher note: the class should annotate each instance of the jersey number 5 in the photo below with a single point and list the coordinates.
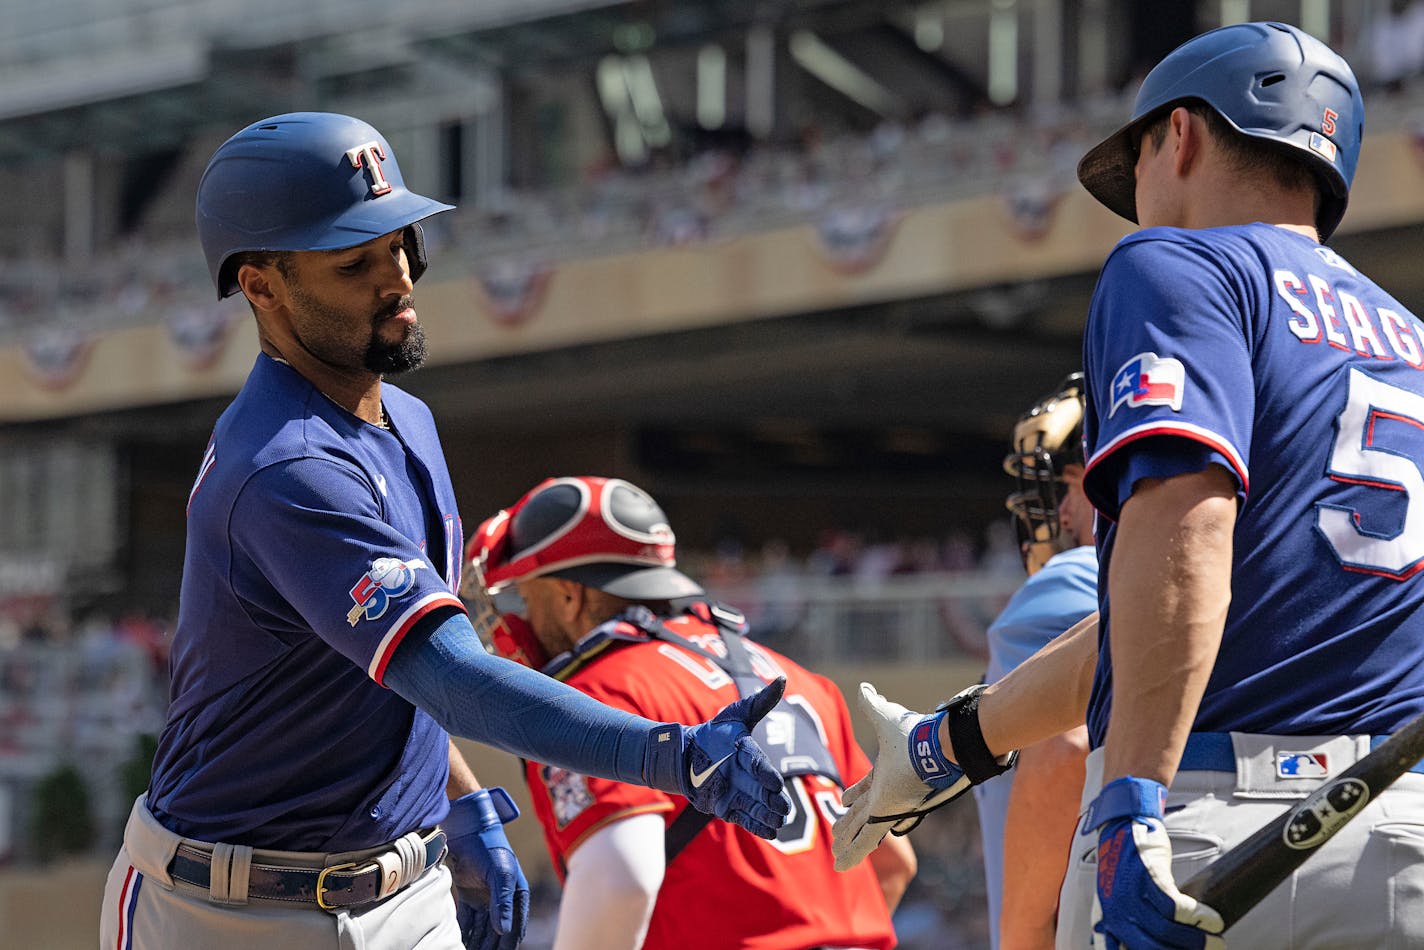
(1358, 459)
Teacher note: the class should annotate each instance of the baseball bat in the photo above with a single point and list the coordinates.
(1238, 880)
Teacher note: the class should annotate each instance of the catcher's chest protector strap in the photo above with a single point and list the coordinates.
(790, 735)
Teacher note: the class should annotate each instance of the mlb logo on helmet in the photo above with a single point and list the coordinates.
(388, 579)
(1149, 380)
(1302, 765)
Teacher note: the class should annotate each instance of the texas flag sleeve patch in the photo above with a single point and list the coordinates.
(1148, 380)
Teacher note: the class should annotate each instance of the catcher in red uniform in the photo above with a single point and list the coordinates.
(592, 561)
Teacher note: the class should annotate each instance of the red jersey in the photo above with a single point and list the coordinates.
(727, 888)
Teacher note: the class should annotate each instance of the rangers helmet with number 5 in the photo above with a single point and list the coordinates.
(1272, 82)
(305, 181)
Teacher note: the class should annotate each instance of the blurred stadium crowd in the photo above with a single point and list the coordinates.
(845, 182)
(841, 183)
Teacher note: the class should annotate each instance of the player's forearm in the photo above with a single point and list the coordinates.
(511, 707)
(1038, 833)
(1170, 586)
(1044, 696)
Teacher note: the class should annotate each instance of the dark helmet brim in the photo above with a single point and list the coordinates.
(632, 581)
(1108, 170)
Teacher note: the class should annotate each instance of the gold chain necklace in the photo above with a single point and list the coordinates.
(384, 422)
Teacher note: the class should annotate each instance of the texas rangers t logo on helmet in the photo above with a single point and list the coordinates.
(370, 156)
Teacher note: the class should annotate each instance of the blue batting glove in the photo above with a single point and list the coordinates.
(492, 896)
(719, 768)
(1138, 904)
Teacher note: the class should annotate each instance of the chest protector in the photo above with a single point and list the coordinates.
(790, 735)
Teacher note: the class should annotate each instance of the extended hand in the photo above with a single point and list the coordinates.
(720, 769)
(912, 776)
(1138, 904)
(493, 896)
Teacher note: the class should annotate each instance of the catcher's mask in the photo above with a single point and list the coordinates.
(1046, 439)
(603, 533)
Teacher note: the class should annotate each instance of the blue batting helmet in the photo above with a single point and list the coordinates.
(305, 181)
(1272, 82)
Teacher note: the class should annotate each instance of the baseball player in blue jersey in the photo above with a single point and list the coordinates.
(1027, 816)
(1255, 434)
(321, 656)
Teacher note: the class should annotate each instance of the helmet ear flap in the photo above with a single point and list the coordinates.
(415, 257)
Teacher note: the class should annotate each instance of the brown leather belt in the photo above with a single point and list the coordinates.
(330, 888)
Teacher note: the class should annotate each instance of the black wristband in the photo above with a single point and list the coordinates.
(967, 739)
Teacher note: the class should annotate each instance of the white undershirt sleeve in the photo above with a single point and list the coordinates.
(612, 885)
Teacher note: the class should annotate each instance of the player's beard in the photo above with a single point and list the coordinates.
(321, 336)
(401, 357)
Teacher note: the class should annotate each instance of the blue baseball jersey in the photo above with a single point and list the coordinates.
(315, 542)
(1259, 350)
(1054, 598)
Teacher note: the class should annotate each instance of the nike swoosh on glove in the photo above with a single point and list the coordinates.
(911, 777)
(719, 767)
(1138, 904)
(492, 895)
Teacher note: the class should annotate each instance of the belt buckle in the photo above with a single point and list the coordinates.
(321, 884)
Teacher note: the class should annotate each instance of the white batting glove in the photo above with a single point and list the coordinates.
(899, 789)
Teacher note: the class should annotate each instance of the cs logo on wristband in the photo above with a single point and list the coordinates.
(924, 745)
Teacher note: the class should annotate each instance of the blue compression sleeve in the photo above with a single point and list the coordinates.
(444, 669)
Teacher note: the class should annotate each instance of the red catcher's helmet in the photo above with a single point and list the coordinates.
(601, 532)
